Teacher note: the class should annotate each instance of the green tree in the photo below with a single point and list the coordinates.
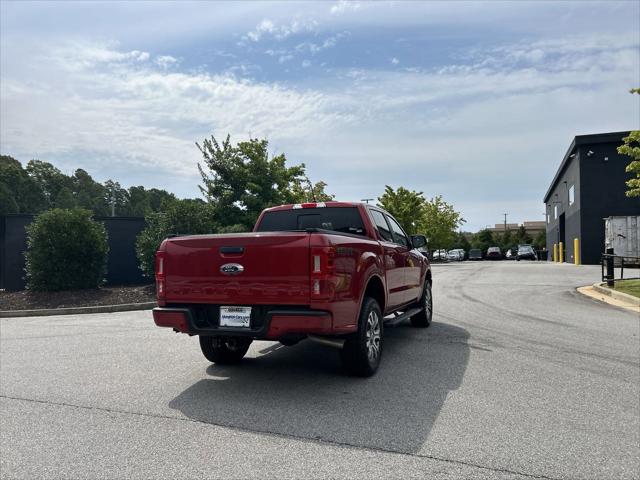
(407, 207)
(116, 197)
(461, 241)
(88, 193)
(631, 147)
(19, 193)
(305, 191)
(440, 223)
(522, 236)
(540, 243)
(66, 250)
(50, 180)
(240, 181)
(505, 240)
(483, 240)
(181, 217)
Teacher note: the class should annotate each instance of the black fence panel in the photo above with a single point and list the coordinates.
(122, 265)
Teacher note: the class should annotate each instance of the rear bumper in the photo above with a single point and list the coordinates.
(275, 323)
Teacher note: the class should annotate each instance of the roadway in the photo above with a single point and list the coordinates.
(519, 376)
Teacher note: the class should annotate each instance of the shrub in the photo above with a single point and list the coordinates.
(182, 217)
(66, 250)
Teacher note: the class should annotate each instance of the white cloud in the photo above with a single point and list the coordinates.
(268, 28)
(306, 63)
(427, 129)
(165, 61)
(395, 61)
(344, 6)
(142, 114)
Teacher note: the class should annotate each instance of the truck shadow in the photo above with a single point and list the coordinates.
(302, 390)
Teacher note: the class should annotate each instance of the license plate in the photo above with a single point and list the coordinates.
(235, 317)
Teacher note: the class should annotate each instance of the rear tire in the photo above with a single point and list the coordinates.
(423, 319)
(224, 350)
(362, 351)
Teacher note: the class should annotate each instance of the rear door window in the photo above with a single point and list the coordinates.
(398, 235)
(337, 219)
(381, 225)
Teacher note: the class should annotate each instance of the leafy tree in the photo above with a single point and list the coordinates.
(540, 243)
(240, 181)
(631, 147)
(51, 181)
(116, 197)
(505, 240)
(460, 241)
(88, 193)
(65, 199)
(66, 250)
(437, 219)
(159, 198)
(483, 240)
(522, 236)
(305, 191)
(19, 193)
(181, 217)
(408, 208)
(41, 186)
(440, 223)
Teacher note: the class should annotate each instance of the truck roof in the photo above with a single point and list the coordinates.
(292, 206)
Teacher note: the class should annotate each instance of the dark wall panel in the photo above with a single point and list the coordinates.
(603, 194)
(122, 265)
(14, 244)
(560, 198)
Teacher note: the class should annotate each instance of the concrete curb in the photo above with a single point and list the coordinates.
(623, 297)
(124, 307)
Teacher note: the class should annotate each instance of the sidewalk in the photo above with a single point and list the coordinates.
(600, 291)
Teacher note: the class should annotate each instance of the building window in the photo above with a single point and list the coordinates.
(572, 194)
(548, 219)
(555, 212)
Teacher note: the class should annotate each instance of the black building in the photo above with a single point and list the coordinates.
(588, 187)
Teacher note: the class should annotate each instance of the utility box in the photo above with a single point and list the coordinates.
(623, 235)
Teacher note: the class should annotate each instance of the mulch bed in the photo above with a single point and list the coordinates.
(27, 300)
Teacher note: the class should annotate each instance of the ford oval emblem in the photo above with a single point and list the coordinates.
(231, 268)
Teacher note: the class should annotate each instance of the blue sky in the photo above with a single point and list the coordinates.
(475, 101)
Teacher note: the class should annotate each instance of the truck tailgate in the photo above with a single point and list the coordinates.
(238, 269)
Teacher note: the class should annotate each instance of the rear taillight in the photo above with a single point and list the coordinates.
(322, 277)
(160, 278)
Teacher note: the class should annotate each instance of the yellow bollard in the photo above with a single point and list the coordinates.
(576, 251)
(555, 252)
(560, 252)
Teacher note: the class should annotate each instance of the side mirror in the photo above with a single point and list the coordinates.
(418, 241)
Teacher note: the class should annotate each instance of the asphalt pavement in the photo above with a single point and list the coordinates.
(519, 376)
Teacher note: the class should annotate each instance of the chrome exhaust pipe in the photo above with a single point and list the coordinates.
(328, 341)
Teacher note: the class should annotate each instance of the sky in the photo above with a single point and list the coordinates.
(474, 101)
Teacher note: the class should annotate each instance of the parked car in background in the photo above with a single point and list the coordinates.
(494, 253)
(526, 252)
(454, 256)
(461, 252)
(512, 253)
(439, 256)
(475, 254)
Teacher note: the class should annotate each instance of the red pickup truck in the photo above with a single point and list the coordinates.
(330, 272)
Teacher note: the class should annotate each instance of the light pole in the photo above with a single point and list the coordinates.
(366, 200)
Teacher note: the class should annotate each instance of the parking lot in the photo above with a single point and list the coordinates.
(519, 376)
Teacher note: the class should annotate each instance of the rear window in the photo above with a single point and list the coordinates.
(337, 219)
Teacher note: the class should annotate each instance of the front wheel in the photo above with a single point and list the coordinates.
(423, 319)
(224, 350)
(362, 352)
